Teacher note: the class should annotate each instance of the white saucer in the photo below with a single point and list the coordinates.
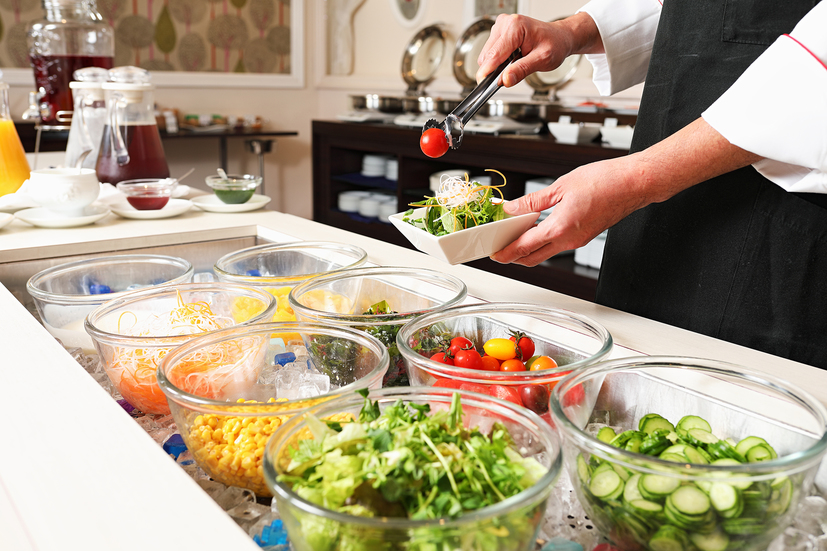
(174, 207)
(5, 219)
(211, 203)
(45, 218)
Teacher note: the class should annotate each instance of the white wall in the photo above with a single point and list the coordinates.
(380, 41)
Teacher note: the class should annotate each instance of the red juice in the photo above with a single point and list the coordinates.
(52, 75)
(146, 155)
(148, 202)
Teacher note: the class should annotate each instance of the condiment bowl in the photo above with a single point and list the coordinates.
(222, 388)
(234, 189)
(706, 489)
(511, 524)
(344, 298)
(133, 333)
(65, 294)
(148, 194)
(572, 340)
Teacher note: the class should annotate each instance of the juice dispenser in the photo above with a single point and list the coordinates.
(89, 116)
(131, 144)
(73, 35)
(14, 168)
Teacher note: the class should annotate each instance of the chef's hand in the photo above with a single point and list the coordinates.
(544, 45)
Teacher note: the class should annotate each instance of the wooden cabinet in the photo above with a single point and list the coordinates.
(339, 147)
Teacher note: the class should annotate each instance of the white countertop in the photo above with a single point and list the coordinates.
(76, 472)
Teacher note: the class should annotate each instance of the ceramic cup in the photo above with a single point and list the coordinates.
(66, 191)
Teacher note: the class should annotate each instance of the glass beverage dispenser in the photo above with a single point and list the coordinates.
(131, 144)
(72, 36)
(14, 168)
(89, 116)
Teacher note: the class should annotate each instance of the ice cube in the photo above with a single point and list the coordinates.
(203, 277)
(247, 512)
(233, 496)
(812, 516)
(320, 381)
(297, 348)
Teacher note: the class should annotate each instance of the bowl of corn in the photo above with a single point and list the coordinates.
(226, 429)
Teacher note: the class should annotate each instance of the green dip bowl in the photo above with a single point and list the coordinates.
(234, 189)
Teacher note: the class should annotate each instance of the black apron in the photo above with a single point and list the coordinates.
(735, 257)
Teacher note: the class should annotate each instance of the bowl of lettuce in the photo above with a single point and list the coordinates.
(414, 469)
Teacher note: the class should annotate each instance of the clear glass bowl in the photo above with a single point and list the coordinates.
(133, 333)
(66, 294)
(512, 524)
(737, 403)
(343, 298)
(252, 362)
(572, 340)
(149, 193)
(235, 188)
(281, 266)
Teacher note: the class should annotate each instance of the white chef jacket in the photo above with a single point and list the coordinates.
(777, 109)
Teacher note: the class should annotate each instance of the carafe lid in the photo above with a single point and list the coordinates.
(91, 74)
(129, 75)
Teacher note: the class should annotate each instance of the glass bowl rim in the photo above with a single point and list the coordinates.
(55, 298)
(234, 179)
(166, 341)
(360, 255)
(159, 186)
(208, 405)
(551, 440)
(423, 274)
(498, 377)
(797, 461)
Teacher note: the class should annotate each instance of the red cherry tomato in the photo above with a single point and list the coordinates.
(537, 363)
(505, 393)
(524, 344)
(490, 363)
(448, 383)
(469, 359)
(457, 344)
(512, 365)
(574, 396)
(443, 358)
(433, 142)
(474, 387)
(534, 397)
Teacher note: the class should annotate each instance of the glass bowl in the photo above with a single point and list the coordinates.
(148, 194)
(572, 340)
(281, 266)
(133, 333)
(226, 426)
(511, 524)
(344, 298)
(67, 293)
(235, 188)
(687, 496)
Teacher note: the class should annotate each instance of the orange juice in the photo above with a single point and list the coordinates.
(14, 168)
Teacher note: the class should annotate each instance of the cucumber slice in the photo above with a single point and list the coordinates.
(654, 444)
(633, 445)
(668, 538)
(620, 440)
(716, 541)
(695, 456)
(646, 418)
(673, 457)
(657, 486)
(689, 422)
(761, 452)
(744, 445)
(726, 500)
(606, 434)
(743, 526)
(700, 437)
(605, 466)
(782, 495)
(622, 471)
(645, 506)
(631, 491)
(690, 501)
(583, 470)
(724, 450)
(656, 423)
(606, 484)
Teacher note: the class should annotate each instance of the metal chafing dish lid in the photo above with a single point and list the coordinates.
(467, 51)
(422, 58)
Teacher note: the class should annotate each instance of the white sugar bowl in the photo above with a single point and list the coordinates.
(66, 191)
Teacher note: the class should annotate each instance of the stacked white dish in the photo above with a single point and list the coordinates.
(348, 201)
(591, 254)
(374, 165)
(436, 177)
(392, 169)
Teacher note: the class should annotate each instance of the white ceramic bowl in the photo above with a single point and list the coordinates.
(66, 191)
(573, 133)
(617, 136)
(468, 244)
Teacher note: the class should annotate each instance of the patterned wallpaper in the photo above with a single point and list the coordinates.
(240, 36)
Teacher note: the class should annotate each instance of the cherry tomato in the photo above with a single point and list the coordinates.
(457, 344)
(447, 383)
(433, 143)
(490, 363)
(505, 393)
(443, 358)
(468, 358)
(474, 387)
(502, 349)
(525, 344)
(574, 396)
(512, 365)
(536, 363)
(534, 397)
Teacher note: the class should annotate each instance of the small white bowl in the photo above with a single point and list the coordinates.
(468, 244)
(65, 191)
(617, 136)
(574, 133)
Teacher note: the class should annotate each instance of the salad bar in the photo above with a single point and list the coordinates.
(518, 394)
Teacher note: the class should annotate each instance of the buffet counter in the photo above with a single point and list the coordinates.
(77, 472)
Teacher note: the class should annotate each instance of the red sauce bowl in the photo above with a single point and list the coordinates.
(148, 194)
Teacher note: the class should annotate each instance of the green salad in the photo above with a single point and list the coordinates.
(458, 204)
(406, 462)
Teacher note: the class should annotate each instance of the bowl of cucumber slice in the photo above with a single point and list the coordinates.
(669, 453)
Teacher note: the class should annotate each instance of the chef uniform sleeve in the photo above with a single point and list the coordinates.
(628, 29)
(778, 108)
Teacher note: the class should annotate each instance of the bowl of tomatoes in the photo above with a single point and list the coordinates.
(512, 351)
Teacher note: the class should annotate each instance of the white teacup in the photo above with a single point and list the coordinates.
(66, 191)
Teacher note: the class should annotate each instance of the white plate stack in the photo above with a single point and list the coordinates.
(374, 165)
(348, 201)
(591, 254)
(392, 169)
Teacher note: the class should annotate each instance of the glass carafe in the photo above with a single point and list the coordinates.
(73, 35)
(14, 168)
(89, 116)
(131, 144)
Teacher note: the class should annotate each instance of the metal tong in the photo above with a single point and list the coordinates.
(454, 123)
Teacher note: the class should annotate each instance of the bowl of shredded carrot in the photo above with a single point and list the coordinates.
(226, 426)
(132, 335)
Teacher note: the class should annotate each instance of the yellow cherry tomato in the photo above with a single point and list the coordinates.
(536, 363)
(502, 349)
